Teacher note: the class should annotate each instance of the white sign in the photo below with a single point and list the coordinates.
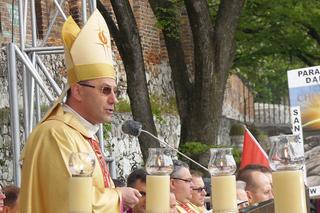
(314, 191)
(304, 77)
(296, 123)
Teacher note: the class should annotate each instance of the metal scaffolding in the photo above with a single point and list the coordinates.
(32, 66)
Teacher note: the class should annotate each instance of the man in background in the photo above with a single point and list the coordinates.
(137, 180)
(198, 193)
(181, 185)
(11, 202)
(258, 181)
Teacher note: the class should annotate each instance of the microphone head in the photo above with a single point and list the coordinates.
(131, 127)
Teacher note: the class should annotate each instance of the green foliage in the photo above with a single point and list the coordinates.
(275, 37)
(159, 107)
(156, 108)
(236, 152)
(106, 130)
(168, 18)
(123, 106)
(194, 148)
(213, 8)
(237, 129)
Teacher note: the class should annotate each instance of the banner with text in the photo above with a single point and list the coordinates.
(304, 92)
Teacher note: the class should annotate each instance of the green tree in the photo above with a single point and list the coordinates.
(273, 37)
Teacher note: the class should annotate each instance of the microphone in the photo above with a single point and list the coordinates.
(134, 128)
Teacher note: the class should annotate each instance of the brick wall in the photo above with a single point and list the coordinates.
(187, 42)
(10, 20)
(238, 100)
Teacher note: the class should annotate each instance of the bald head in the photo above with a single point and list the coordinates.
(258, 183)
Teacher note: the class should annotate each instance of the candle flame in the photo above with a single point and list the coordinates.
(159, 161)
(285, 152)
(221, 164)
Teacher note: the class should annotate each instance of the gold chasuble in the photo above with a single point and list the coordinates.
(45, 171)
(45, 160)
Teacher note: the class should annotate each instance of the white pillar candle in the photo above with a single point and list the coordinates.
(80, 195)
(158, 194)
(289, 192)
(223, 193)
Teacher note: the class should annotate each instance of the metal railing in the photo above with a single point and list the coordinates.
(269, 114)
(32, 65)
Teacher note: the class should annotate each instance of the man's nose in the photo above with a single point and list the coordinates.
(204, 192)
(113, 97)
(191, 185)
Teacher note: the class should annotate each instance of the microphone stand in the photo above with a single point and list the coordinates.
(171, 147)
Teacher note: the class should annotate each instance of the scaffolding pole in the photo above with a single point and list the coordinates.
(14, 112)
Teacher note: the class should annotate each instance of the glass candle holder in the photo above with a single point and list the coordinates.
(221, 162)
(286, 153)
(159, 162)
(287, 159)
(223, 183)
(159, 165)
(81, 166)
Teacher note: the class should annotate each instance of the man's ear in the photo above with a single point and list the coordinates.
(172, 185)
(76, 91)
(250, 197)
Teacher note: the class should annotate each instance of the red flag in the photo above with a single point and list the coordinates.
(252, 152)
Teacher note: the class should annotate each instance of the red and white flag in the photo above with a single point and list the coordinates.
(252, 152)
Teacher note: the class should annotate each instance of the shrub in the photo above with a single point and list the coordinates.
(237, 129)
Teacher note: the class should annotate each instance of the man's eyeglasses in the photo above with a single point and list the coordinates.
(200, 189)
(106, 90)
(185, 180)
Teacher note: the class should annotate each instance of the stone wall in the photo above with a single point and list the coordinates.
(6, 155)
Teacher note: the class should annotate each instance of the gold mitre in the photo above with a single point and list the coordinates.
(87, 51)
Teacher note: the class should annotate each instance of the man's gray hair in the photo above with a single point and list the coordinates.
(177, 166)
